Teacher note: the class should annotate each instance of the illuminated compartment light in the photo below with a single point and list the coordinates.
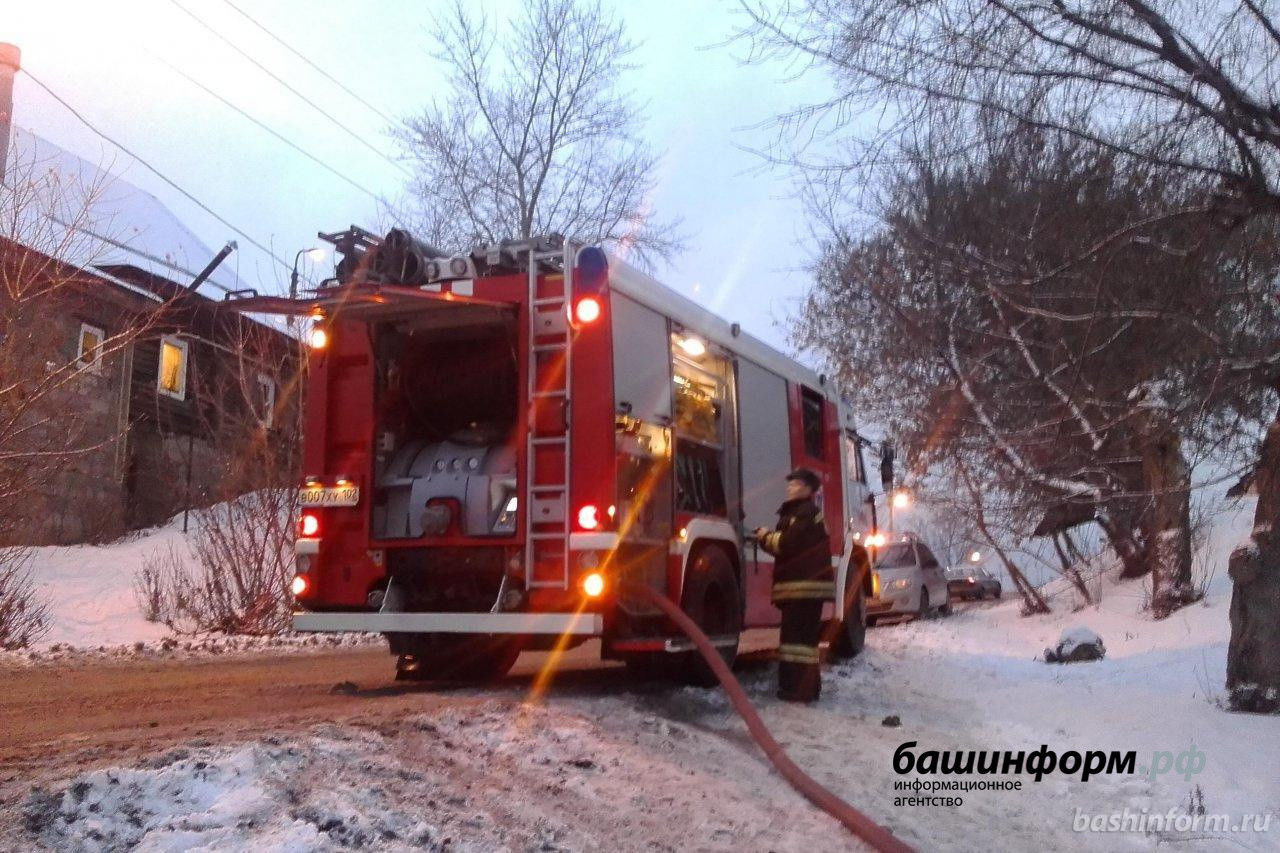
(693, 347)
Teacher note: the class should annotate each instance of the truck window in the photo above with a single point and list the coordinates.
(699, 480)
(644, 479)
(811, 405)
(853, 461)
(697, 405)
(700, 376)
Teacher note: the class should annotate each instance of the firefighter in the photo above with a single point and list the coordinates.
(802, 582)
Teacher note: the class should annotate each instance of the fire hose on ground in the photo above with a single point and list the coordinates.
(852, 819)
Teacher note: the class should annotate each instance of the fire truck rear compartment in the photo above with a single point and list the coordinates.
(447, 579)
(445, 469)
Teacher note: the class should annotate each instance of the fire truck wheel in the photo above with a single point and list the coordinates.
(852, 633)
(478, 658)
(712, 600)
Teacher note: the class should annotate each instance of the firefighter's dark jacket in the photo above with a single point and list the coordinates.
(802, 553)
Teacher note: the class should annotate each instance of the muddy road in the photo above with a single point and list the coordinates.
(68, 716)
(69, 711)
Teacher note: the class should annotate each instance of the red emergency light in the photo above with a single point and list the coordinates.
(309, 525)
(589, 517)
(591, 275)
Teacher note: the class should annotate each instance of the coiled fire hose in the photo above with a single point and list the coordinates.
(852, 819)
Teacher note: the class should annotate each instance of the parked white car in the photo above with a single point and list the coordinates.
(907, 580)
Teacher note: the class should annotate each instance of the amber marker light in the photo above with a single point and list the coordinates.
(593, 585)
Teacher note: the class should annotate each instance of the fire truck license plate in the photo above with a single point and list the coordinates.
(329, 495)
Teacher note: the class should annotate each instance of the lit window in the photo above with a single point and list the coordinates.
(89, 350)
(266, 399)
(172, 380)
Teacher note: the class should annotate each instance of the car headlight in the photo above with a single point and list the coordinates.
(900, 583)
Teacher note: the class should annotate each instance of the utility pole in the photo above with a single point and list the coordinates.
(887, 456)
(10, 62)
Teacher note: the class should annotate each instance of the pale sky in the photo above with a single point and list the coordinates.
(746, 236)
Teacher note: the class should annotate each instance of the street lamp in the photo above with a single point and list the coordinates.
(316, 254)
(900, 499)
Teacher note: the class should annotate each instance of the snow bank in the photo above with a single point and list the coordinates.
(494, 775)
(975, 681)
(89, 588)
(93, 609)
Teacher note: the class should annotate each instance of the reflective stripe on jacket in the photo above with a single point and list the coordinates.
(802, 553)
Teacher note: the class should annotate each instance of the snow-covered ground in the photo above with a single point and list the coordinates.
(655, 768)
(89, 589)
(93, 610)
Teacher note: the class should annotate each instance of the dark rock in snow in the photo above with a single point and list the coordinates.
(892, 721)
(347, 687)
(1076, 645)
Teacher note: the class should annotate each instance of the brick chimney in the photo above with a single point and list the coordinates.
(10, 59)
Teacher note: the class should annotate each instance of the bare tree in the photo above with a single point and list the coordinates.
(1189, 86)
(535, 136)
(997, 313)
(1184, 89)
(24, 617)
(49, 234)
(235, 577)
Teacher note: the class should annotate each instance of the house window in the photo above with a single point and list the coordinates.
(172, 379)
(811, 422)
(89, 348)
(265, 401)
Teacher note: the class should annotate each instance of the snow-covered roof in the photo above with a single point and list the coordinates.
(97, 219)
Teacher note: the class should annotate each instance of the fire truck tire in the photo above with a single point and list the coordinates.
(463, 657)
(851, 635)
(713, 601)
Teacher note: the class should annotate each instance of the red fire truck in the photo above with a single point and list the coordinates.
(495, 441)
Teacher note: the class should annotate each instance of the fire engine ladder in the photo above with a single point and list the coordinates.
(547, 518)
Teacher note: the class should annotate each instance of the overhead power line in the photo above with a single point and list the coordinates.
(387, 206)
(265, 70)
(334, 80)
(172, 183)
(266, 127)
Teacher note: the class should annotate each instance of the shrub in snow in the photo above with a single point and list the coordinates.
(23, 617)
(236, 580)
(1076, 644)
